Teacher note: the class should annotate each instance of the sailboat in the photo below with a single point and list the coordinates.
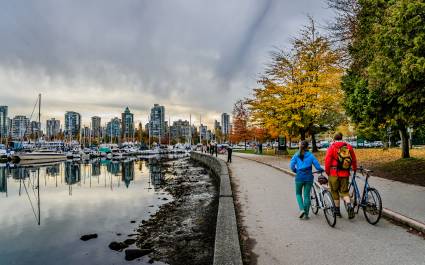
(41, 155)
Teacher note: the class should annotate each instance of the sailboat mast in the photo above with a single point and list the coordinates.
(39, 116)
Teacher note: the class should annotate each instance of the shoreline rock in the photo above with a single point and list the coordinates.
(88, 237)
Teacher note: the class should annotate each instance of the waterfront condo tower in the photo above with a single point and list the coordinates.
(157, 121)
(96, 126)
(127, 119)
(52, 128)
(225, 122)
(72, 124)
(3, 123)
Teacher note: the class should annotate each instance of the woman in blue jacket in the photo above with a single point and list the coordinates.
(301, 164)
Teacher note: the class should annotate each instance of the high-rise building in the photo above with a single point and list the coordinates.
(209, 135)
(113, 128)
(3, 122)
(217, 126)
(225, 121)
(180, 130)
(86, 132)
(157, 121)
(53, 127)
(96, 126)
(20, 127)
(72, 123)
(35, 128)
(9, 126)
(127, 128)
(203, 132)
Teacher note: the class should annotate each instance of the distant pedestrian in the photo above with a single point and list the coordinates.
(301, 164)
(216, 150)
(340, 157)
(229, 154)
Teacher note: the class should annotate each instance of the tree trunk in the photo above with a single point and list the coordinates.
(386, 144)
(302, 134)
(245, 144)
(404, 143)
(313, 143)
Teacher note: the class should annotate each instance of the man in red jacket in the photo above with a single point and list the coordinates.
(340, 157)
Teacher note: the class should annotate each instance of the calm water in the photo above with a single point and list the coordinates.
(43, 226)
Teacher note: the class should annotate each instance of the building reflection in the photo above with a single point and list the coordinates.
(95, 168)
(3, 179)
(113, 168)
(127, 172)
(20, 172)
(72, 172)
(155, 173)
(53, 170)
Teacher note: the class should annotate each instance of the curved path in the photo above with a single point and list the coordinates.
(269, 213)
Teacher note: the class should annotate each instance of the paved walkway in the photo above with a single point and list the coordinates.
(270, 214)
(406, 199)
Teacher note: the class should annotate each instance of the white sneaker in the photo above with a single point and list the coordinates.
(301, 215)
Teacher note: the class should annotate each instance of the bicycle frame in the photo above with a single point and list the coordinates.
(319, 191)
(364, 197)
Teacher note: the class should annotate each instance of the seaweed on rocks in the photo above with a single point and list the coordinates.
(183, 230)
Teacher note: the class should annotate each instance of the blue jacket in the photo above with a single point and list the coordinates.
(303, 168)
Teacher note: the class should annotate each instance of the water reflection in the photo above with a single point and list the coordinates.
(3, 180)
(156, 173)
(93, 174)
(56, 203)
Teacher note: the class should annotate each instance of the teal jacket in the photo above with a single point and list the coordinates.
(303, 167)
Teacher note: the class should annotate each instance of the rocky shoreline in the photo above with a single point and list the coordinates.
(182, 231)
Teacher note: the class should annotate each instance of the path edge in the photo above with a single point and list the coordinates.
(226, 247)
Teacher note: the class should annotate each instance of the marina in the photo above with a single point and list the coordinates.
(56, 203)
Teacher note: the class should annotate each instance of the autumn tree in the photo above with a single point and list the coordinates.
(241, 131)
(300, 93)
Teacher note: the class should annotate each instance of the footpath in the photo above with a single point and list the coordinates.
(403, 202)
(269, 211)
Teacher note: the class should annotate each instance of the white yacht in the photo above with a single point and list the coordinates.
(40, 156)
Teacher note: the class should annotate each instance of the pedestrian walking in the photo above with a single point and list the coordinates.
(340, 157)
(301, 164)
(229, 154)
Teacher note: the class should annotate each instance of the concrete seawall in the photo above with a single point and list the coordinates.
(227, 249)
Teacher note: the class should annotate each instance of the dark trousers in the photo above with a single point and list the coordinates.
(229, 157)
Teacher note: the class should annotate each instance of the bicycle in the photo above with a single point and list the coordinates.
(370, 201)
(321, 198)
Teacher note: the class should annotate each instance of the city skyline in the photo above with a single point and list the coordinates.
(87, 121)
(193, 57)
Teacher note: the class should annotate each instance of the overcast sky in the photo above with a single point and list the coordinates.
(98, 56)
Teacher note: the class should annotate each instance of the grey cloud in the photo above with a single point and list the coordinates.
(199, 54)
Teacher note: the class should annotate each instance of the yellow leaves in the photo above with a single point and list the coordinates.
(300, 87)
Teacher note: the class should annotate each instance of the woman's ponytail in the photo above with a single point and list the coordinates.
(303, 148)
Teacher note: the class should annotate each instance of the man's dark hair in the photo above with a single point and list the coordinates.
(338, 136)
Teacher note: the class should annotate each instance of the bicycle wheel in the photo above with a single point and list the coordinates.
(372, 208)
(352, 194)
(329, 208)
(314, 201)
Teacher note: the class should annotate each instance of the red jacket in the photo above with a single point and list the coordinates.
(331, 160)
